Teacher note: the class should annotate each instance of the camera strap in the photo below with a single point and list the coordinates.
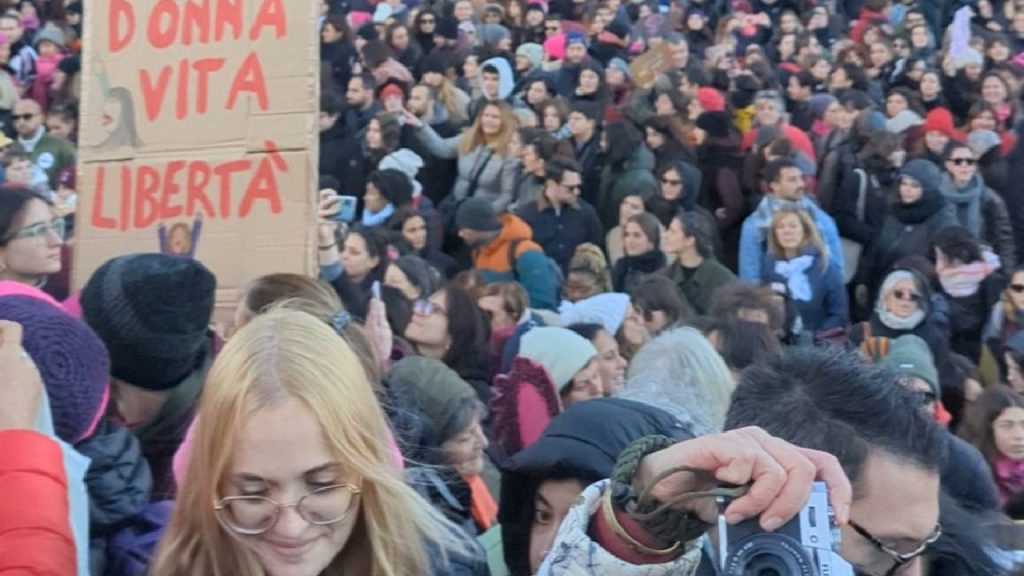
(661, 519)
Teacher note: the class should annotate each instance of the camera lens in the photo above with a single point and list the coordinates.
(766, 565)
(768, 555)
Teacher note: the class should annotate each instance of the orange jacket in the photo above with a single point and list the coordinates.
(494, 256)
(35, 530)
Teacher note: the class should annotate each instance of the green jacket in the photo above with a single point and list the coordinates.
(53, 156)
(701, 286)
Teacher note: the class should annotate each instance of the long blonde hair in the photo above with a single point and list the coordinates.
(811, 236)
(291, 354)
(475, 136)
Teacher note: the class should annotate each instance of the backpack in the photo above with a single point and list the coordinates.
(553, 267)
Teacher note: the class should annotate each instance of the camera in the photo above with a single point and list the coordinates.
(807, 545)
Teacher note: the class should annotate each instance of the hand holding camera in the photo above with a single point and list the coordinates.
(780, 476)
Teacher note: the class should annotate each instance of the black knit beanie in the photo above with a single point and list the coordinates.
(152, 311)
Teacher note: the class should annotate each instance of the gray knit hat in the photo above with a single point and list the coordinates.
(909, 355)
(436, 389)
(477, 214)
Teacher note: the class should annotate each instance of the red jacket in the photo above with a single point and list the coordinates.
(35, 531)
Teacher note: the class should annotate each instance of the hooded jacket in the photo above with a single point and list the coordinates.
(908, 230)
(634, 177)
(119, 484)
(583, 444)
(506, 86)
(530, 266)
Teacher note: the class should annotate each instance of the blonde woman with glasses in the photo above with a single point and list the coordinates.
(290, 473)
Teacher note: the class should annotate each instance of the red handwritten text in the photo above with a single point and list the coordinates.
(140, 196)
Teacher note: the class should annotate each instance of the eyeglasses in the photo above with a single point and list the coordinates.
(252, 515)
(23, 117)
(1018, 288)
(669, 182)
(39, 230)
(900, 559)
(963, 161)
(906, 295)
(570, 187)
(427, 308)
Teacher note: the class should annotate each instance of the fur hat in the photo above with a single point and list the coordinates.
(152, 311)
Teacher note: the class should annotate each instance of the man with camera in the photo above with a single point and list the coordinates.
(808, 414)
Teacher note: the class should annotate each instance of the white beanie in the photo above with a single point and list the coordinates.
(608, 309)
(407, 162)
(560, 351)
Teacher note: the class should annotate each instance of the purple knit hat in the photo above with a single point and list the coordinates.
(71, 359)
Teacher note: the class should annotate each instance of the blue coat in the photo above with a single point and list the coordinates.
(753, 245)
(822, 303)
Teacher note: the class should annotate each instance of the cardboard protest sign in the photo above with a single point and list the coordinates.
(199, 136)
(646, 67)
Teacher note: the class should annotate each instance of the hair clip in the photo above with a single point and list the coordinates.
(340, 321)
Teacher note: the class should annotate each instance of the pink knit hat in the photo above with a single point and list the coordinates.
(554, 47)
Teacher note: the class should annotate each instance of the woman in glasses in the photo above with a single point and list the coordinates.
(904, 306)
(449, 326)
(918, 213)
(290, 471)
(31, 238)
(1007, 315)
(977, 207)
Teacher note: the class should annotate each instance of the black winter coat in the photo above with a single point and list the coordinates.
(908, 230)
(437, 176)
(968, 315)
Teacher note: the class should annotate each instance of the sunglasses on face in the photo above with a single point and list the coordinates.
(963, 161)
(906, 295)
(23, 117)
(1018, 288)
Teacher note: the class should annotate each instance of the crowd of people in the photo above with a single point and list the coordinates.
(607, 261)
